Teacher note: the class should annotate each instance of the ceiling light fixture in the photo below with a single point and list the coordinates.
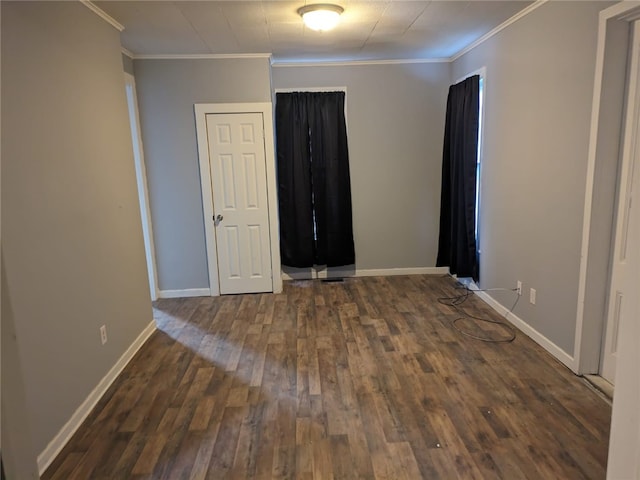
(320, 16)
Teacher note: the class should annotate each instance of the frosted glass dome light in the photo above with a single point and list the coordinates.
(321, 16)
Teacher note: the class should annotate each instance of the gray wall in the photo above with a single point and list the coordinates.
(539, 89)
(72, 237)
(127, 64)
(18, 454)
(395, 122)
(167, 91)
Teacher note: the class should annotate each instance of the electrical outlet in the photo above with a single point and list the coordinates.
(532, 296)
(519, 287)
(103, 334)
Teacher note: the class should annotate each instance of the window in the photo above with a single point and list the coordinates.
(314, 190)
(461, 164)
(480, 125)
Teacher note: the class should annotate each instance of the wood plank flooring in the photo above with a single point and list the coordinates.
(364, 379)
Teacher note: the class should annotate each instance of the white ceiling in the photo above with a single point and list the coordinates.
(369, 30)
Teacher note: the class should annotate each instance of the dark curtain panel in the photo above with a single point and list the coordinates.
(294, 180)
(457, 244)
(331, 181)
(313, 180)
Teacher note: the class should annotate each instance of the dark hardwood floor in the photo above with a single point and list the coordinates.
(361, 379)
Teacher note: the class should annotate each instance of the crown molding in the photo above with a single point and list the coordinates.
(103, 15)
(342, 63)
(316, 63)
(201, 56)
(522, 13)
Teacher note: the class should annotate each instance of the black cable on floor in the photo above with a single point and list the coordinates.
(457, 300)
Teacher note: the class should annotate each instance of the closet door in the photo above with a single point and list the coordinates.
(241, 216)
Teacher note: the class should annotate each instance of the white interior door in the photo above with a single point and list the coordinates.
(622, 293)
(240, 210)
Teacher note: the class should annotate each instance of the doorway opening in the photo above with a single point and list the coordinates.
(620, 291)
(609, 140)
(238, 180)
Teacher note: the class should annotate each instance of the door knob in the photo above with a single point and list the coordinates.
(217, 220)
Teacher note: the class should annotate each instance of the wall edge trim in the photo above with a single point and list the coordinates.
(127, 52)
(313, 63)
(529, 331)
(199, 56)
(103, 15)
(183, 293)
(55, 446)
(373, 272)
(522, 13)
(349, 63)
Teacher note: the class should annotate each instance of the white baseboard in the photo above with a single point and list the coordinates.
(308, 274)
(189, 292)
(66, 432)
(528, 330)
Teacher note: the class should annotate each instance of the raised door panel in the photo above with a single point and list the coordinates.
(238, 177)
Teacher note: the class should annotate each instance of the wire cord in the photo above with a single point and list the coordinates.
(456, 301)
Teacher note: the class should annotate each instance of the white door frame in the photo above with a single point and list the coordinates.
(621, 245)
(624, 445)
(266, 109)
(589, 331)
(143, 190)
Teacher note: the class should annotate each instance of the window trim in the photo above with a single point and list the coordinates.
(482, 72)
